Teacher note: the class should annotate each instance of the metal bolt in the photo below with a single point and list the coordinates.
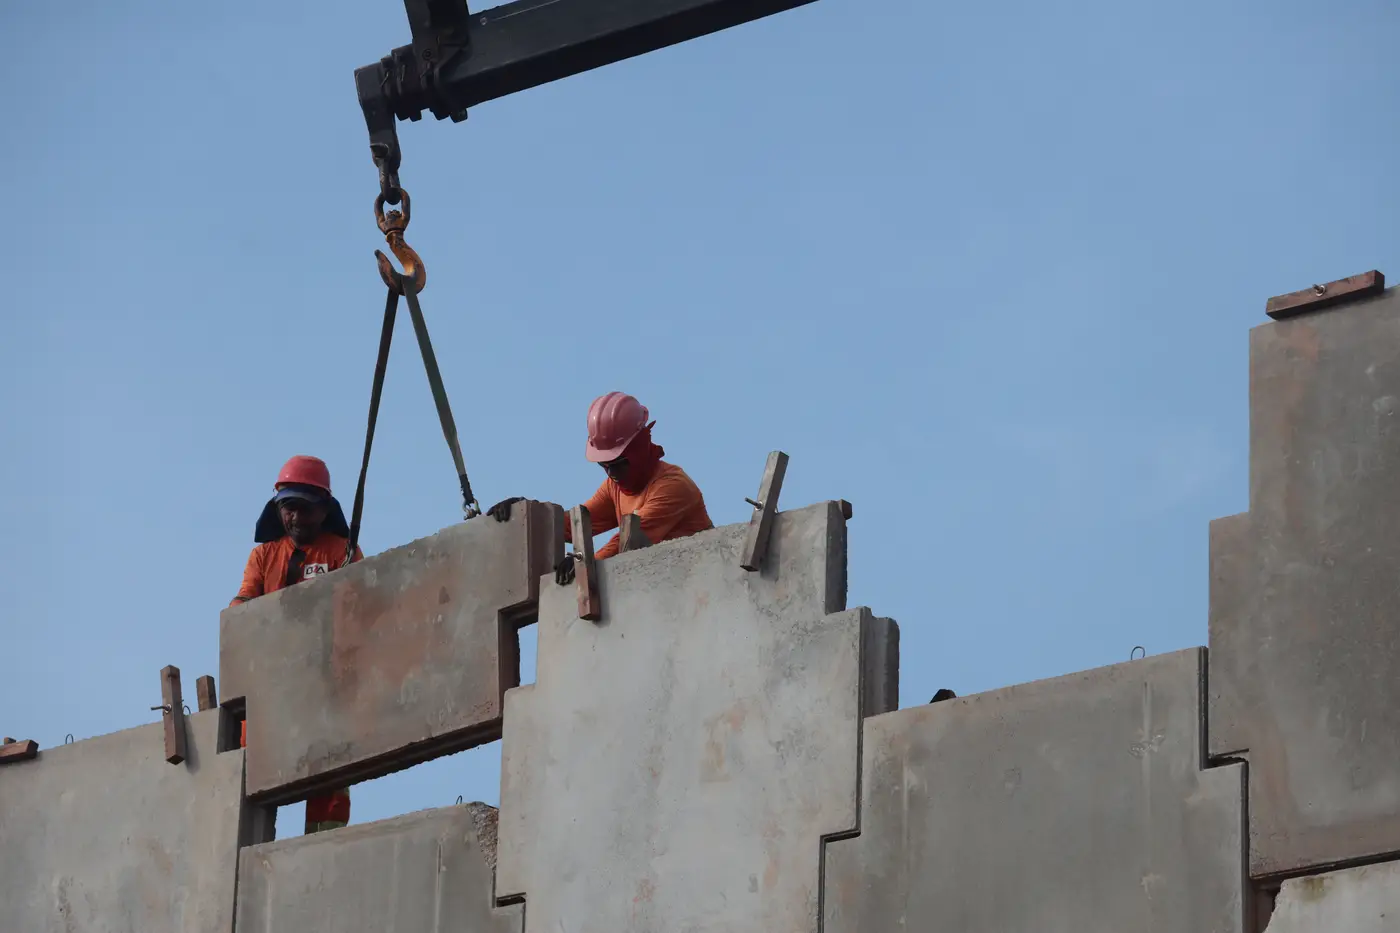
(757, 505)
(427, 55)
(164, 709)
(483, 21)
(1320, 289)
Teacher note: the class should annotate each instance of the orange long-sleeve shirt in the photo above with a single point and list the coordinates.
(267, 564)
(670, 506)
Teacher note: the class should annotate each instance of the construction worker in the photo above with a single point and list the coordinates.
(638, 481)
(301, 534)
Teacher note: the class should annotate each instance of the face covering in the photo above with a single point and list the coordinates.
(642, 457)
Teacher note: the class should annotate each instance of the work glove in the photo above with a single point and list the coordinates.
(501, 510)
(564, 571)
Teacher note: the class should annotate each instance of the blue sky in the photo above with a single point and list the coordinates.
(985, 270)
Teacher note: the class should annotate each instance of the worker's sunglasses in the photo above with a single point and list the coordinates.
(615, 468)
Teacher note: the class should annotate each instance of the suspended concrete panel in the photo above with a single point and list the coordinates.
(676, 765)
(1305, 604)
(104, 836)
(427, 872)
(1059, 806)
(388, 662)
(1358, 900)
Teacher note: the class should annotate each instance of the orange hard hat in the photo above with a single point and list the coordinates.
(302, 470)
(613, 420)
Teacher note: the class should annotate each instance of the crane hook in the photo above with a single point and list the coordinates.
(392, 226)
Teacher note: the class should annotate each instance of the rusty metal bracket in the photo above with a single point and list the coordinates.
(765, 508)
(172, 713)
(590, 602)
(630, 536)
(205, 691)
(12, 750)
(1304, 301)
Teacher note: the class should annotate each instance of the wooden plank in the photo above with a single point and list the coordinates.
(13, 751)
(173, 714)
(630, 534)
(1351, 288)
(764, 509)
(590, 603)
(204, 689)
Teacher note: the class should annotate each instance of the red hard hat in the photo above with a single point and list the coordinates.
(305, 471)
(613, 420)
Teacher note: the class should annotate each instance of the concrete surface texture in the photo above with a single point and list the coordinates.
(676, 765)
(1357, 900)
(391, 661)
(421, 873)
(104, 836)
(1305, 609)
(1058, 806)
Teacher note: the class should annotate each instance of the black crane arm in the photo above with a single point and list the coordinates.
(459, 59)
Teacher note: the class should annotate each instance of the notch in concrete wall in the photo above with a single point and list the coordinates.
(1307, 300)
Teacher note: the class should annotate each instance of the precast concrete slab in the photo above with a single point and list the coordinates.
(1357, 900)
(676, 765)
(1305, 610)
(104, 836)
(1059, 806)
(427, 872)
(394, 660)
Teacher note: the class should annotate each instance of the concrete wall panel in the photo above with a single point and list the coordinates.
(104, 836)
(1357, 900)
(388, 662)
(1305, 610)
(427, 872)
(1058, 806)
(675, 766)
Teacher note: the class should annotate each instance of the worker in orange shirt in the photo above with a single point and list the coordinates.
(301, 534)
(638, 481)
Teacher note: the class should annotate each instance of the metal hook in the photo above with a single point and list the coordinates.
(413, 266)
(68, 739)
(1132, 655)
(392, 225)
(187, 708)
(459, 798)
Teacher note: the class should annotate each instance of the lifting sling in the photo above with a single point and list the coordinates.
(408, 284)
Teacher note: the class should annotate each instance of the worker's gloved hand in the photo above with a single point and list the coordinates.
(564, 571)
(501, 510)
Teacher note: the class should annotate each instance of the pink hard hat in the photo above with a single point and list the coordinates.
(613, 420)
